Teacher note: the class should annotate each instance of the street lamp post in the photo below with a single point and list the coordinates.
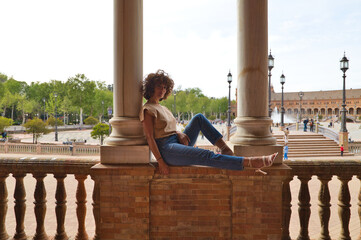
(344, 68)
(56, 119)
(270, 66)
(300, 94)
(282, 81)
(229, 80)
(44, 108)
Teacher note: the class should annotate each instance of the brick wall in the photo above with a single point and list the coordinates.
(191, 203)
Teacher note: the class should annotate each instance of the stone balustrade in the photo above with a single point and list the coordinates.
(175, 189)
(324, 170)
(74, 150)
(39, 168)
(354, 147)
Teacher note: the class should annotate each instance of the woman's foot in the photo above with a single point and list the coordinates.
(259, 162)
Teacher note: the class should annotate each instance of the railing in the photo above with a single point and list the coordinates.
(344, 170)
(39, 168)
(354, 147)
(324, 170)
(87, 150)
(328, 133)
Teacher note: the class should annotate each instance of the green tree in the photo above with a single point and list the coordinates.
(3, 77)
(38, 91)
(37, 127)
(102, 95)
(4, 123)
(91, 120)
(100, 131)
(6, 101)
(81, 92)
(25, 106)
(15, 86)
(50, 104)
(66, 107)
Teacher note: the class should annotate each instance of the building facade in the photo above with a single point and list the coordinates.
(325, 103)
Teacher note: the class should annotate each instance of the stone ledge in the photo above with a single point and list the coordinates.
(186, 171)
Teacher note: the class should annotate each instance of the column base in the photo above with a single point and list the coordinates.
(251, 151)
(343, 139)
(253, 131)
(124, 154)
(126, 131)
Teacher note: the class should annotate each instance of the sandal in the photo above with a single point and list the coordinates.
(265, 164)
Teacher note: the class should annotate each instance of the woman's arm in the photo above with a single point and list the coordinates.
(149, 134)
(183, 138)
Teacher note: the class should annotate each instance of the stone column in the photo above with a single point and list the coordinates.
(253, 123)
(127, 143)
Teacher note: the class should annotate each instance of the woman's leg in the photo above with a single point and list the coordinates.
(176, 154)
(200, 123)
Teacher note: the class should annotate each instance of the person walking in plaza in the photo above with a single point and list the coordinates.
(305, 125)
(341, 149)
(174, 148)
(311, 125)
(285, 151)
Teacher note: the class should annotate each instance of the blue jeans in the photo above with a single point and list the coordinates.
(177, 154)
(286, 157)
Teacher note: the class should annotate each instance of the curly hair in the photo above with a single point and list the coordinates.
(153, 79)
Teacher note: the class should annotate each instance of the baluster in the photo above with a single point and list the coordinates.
(286, 207)
(40, 206)
(304, 210)
(81, 207)
(344, 207)
(20, 206)
(60, 209)
(359, 206)
(96, 207)
(324, 206)
(3, 205)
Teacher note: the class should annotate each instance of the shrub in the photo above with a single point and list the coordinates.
(91, 120)
(51, 121)
(5, 122)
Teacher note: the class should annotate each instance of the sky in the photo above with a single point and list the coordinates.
(195, 41)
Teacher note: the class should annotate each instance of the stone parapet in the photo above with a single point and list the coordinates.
(136, 202)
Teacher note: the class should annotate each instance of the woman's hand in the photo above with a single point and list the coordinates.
(183, 138)
(163, 168)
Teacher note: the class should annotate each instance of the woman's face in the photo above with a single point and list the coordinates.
(160, 90)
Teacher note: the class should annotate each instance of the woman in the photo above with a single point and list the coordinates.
(171, 147)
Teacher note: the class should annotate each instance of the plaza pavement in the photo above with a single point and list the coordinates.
(71, 183)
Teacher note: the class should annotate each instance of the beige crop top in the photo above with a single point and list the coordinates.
(165, 124)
